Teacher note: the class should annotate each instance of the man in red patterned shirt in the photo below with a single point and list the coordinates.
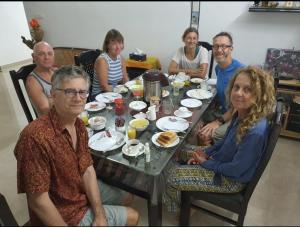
(55, 168)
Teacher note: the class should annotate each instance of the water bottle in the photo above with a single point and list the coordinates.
(147, 152)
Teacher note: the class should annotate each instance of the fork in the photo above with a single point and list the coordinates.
(175, 130)
(175, 120)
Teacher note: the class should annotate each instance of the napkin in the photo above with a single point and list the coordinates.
(138, 51)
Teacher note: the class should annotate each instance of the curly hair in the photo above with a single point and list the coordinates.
(263, 93)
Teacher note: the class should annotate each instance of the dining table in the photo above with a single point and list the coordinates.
(134, 174)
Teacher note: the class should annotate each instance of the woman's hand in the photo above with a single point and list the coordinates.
(208, 129)
(204, 140)
(198, 157)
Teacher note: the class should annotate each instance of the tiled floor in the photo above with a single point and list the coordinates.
(276, 200)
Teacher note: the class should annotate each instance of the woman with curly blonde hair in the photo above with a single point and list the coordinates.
(229, 164)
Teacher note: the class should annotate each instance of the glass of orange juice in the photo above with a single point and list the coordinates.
(131, 133)
(137, 91)
(84, 116)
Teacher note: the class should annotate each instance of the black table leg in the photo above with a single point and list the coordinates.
(155, 213)
(155, 205)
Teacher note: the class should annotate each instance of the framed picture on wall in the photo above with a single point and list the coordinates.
(195, 13)
(285, 61)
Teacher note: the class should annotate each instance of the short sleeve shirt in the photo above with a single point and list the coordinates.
(47, 162)
(223, 78)
(184, 63)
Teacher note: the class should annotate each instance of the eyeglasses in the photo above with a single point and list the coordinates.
(223, 47)
(71, 93)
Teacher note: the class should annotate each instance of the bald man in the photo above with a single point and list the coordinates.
(38, 83)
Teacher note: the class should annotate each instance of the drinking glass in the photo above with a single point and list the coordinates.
(131, 133)
(84, 116)
(167, 105)
(175, 88)
(137, 91)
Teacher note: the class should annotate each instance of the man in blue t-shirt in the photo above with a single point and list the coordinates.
(225, 69)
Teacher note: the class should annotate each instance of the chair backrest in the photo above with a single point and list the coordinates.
(65, 55)
(6, 216)
(272, 140)
(208, 46)
(86, 60)
(22, 74)
(134, 72)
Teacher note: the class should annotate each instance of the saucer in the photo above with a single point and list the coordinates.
(181, 114)
(196, 80)
(140, 151)
(191, 103)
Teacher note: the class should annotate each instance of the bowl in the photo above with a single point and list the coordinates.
(139, 124)
(97, 123)
(178, 84)
(183, 110)
(137, 105)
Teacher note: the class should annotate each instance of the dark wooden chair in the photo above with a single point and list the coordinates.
(208, 46)
(6, 216)
(234, 202)
(86, 60)
(22, 74)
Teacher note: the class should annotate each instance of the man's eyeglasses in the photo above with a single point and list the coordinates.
(71, 93)
(223, 47)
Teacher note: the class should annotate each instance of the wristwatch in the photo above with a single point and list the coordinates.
(221, 120)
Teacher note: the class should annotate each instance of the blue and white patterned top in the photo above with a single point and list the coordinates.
(115, 74)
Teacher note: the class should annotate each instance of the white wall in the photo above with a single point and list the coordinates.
(252, 32)
(155, 27)
(13, 25)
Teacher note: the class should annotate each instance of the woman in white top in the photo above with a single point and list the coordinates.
(190, 59)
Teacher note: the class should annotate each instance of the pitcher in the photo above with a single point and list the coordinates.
(151, 113)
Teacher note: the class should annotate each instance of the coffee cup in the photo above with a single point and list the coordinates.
(151, 113)
(183, 110)
(133, 146)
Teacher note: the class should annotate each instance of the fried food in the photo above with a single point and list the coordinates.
(166, 138)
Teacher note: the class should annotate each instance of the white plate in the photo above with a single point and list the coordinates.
(141, 150)
(166, 124)
(121, 89)
(199, 94)
(196, 80)
(96, 106)
(181, 114)
(101, 142)
(108, 97)
(90, 132)
(212, 82)
(137, 105)
(130, 83)
(191, 103)
(155, 136)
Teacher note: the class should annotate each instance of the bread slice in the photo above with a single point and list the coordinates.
(166, 138)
